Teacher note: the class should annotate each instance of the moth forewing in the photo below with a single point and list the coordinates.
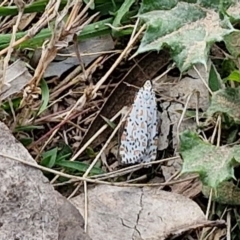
(153, 137)
(138, 141)
(121, 137)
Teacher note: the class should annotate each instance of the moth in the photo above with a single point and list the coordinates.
(138, 142)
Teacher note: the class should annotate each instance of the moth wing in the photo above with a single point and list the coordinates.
(120, 135)
(153, 134)
(140, 135)
(134, 139)
(152, 129)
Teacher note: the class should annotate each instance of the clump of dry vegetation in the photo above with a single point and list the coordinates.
(69, 69)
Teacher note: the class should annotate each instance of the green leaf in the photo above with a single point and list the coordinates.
(28, 128)
(65, 152)
(226, 193)
(213, 164)
(232, 136)
(105, 7)
(188, 30)
(26, 141)
(226, 67)
(92, 5)
(79, 166)
(149, 5)
(62, 157)
(234, 76)
(226, 101)
(15, 103)
(231, 41)
(49, 158)
(111, 124)
(120, 14)
(90, 152)
(45, 96)
(192, 113)
(214, 80)
(36, 6)
(236, 152)
(233, 11)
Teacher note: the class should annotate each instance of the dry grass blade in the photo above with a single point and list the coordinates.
(122, 55)
(50, 13)
(122, 184)
(13, 37)
(62, 35)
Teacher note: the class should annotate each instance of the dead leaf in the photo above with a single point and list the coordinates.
(17, 77)
(26, 20)
(190, 189)
(90, 46)
(123, 95)
(177, 92)
(190, 83)
(137, 213)
(225, 193)
(171, 167)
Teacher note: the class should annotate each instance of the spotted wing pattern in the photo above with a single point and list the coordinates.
(140, 134)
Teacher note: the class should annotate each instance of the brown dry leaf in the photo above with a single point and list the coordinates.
(30, 207)
(91, 46)
(190, 83)
(17, 77)
(171, 167)
(178, 93)
(123, 95)
(121, 213)
(190, 189)
(26, 20)
(217, 234)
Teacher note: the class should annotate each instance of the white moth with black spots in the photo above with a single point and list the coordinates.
(140, 135)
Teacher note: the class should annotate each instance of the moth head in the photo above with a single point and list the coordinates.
(147, 85)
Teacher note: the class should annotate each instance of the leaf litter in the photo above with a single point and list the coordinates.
(17, 77)
(90, 98)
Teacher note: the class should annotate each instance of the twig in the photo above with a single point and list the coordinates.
(207, 213)
(121, 184)
(228, 226)
(117, 173)
(215, 130)
(203, 81)
(182, 115)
